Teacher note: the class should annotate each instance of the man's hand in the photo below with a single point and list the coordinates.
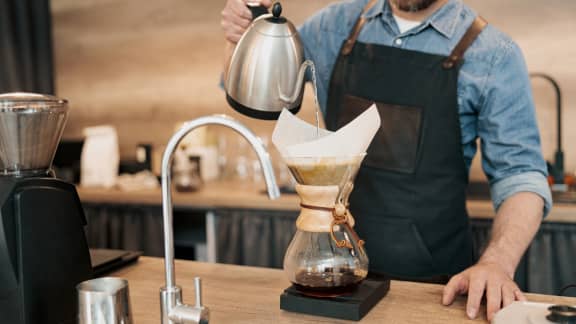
(484, 277)
(515, 225)
(236, 17)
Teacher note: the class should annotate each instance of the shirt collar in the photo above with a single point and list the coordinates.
(443, 20)
(379, 8)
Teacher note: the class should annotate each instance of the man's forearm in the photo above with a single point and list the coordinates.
(515, 225)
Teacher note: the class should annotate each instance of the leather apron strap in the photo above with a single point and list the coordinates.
(349, 43)
(469, 37)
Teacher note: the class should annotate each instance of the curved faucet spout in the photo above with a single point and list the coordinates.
(171, 303)
(558, 171)
(558, 94)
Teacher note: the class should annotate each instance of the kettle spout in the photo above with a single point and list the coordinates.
(300, 82)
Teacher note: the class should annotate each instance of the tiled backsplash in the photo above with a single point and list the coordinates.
(146, 65)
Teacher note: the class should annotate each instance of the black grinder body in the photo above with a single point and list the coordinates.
(43, 250)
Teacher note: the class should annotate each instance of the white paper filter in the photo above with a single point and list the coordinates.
(294, 137)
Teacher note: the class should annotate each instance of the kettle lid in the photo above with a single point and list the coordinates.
(274, 24)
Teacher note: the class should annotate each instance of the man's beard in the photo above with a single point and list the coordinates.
(412, 5)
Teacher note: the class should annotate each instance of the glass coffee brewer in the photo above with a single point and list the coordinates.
(326, 261)
(326, 258)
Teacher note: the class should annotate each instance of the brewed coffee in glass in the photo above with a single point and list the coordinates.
(326, 257)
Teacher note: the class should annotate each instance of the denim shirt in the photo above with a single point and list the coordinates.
(494, 91)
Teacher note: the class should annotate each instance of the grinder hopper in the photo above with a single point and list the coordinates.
(31, 126)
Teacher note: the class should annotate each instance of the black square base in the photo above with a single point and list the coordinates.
(351, 306)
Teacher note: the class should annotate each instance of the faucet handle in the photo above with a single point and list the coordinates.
(204, 315)
(198, 290)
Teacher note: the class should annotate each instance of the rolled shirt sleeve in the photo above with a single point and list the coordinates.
(523, 182)
(507, 127)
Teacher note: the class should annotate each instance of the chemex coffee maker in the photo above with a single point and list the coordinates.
(43, 249)
(326, 261)
(326, 258)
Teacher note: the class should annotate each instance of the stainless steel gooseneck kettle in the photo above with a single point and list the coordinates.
(266, 71)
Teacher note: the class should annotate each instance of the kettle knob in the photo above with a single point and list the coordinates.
(276, 10)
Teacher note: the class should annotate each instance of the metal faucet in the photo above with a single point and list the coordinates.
(558, 169)
(173, 310)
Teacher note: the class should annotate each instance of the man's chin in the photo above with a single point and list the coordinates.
(413, 5)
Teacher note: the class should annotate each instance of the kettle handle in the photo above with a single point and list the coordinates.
(257, 11)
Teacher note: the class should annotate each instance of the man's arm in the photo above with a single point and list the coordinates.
(514, 228)
(513, 163)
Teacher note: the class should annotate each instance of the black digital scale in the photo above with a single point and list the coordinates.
(352, 306)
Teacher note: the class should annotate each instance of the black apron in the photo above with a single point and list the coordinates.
(409, 195)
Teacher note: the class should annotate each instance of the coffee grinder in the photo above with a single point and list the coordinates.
(43, 248)
(326, 260)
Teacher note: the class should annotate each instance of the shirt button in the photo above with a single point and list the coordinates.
(398, 41)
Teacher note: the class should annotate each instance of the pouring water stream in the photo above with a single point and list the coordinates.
(312, 67)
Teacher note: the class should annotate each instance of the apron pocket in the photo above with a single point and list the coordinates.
(396, 144)
(395, 247)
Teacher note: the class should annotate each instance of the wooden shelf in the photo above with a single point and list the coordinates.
(216, 195)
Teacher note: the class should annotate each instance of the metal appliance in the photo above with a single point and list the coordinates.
(43, 249)
(267, 69)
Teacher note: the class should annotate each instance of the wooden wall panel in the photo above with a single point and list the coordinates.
(146, 65)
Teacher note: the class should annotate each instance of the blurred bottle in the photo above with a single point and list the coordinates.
(186, 173)
(144, 156)
(202, 143)
(242, 167)
(222, 159)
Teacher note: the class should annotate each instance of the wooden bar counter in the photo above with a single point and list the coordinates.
(237, 294)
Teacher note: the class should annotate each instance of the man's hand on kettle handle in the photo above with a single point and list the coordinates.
(236, 17)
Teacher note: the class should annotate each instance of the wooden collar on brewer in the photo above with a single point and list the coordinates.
(340, 218)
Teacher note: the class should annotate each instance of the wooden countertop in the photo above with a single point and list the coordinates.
(238, 294)
(236, 195)
(212, 195)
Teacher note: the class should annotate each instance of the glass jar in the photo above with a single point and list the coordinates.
(325, 258)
